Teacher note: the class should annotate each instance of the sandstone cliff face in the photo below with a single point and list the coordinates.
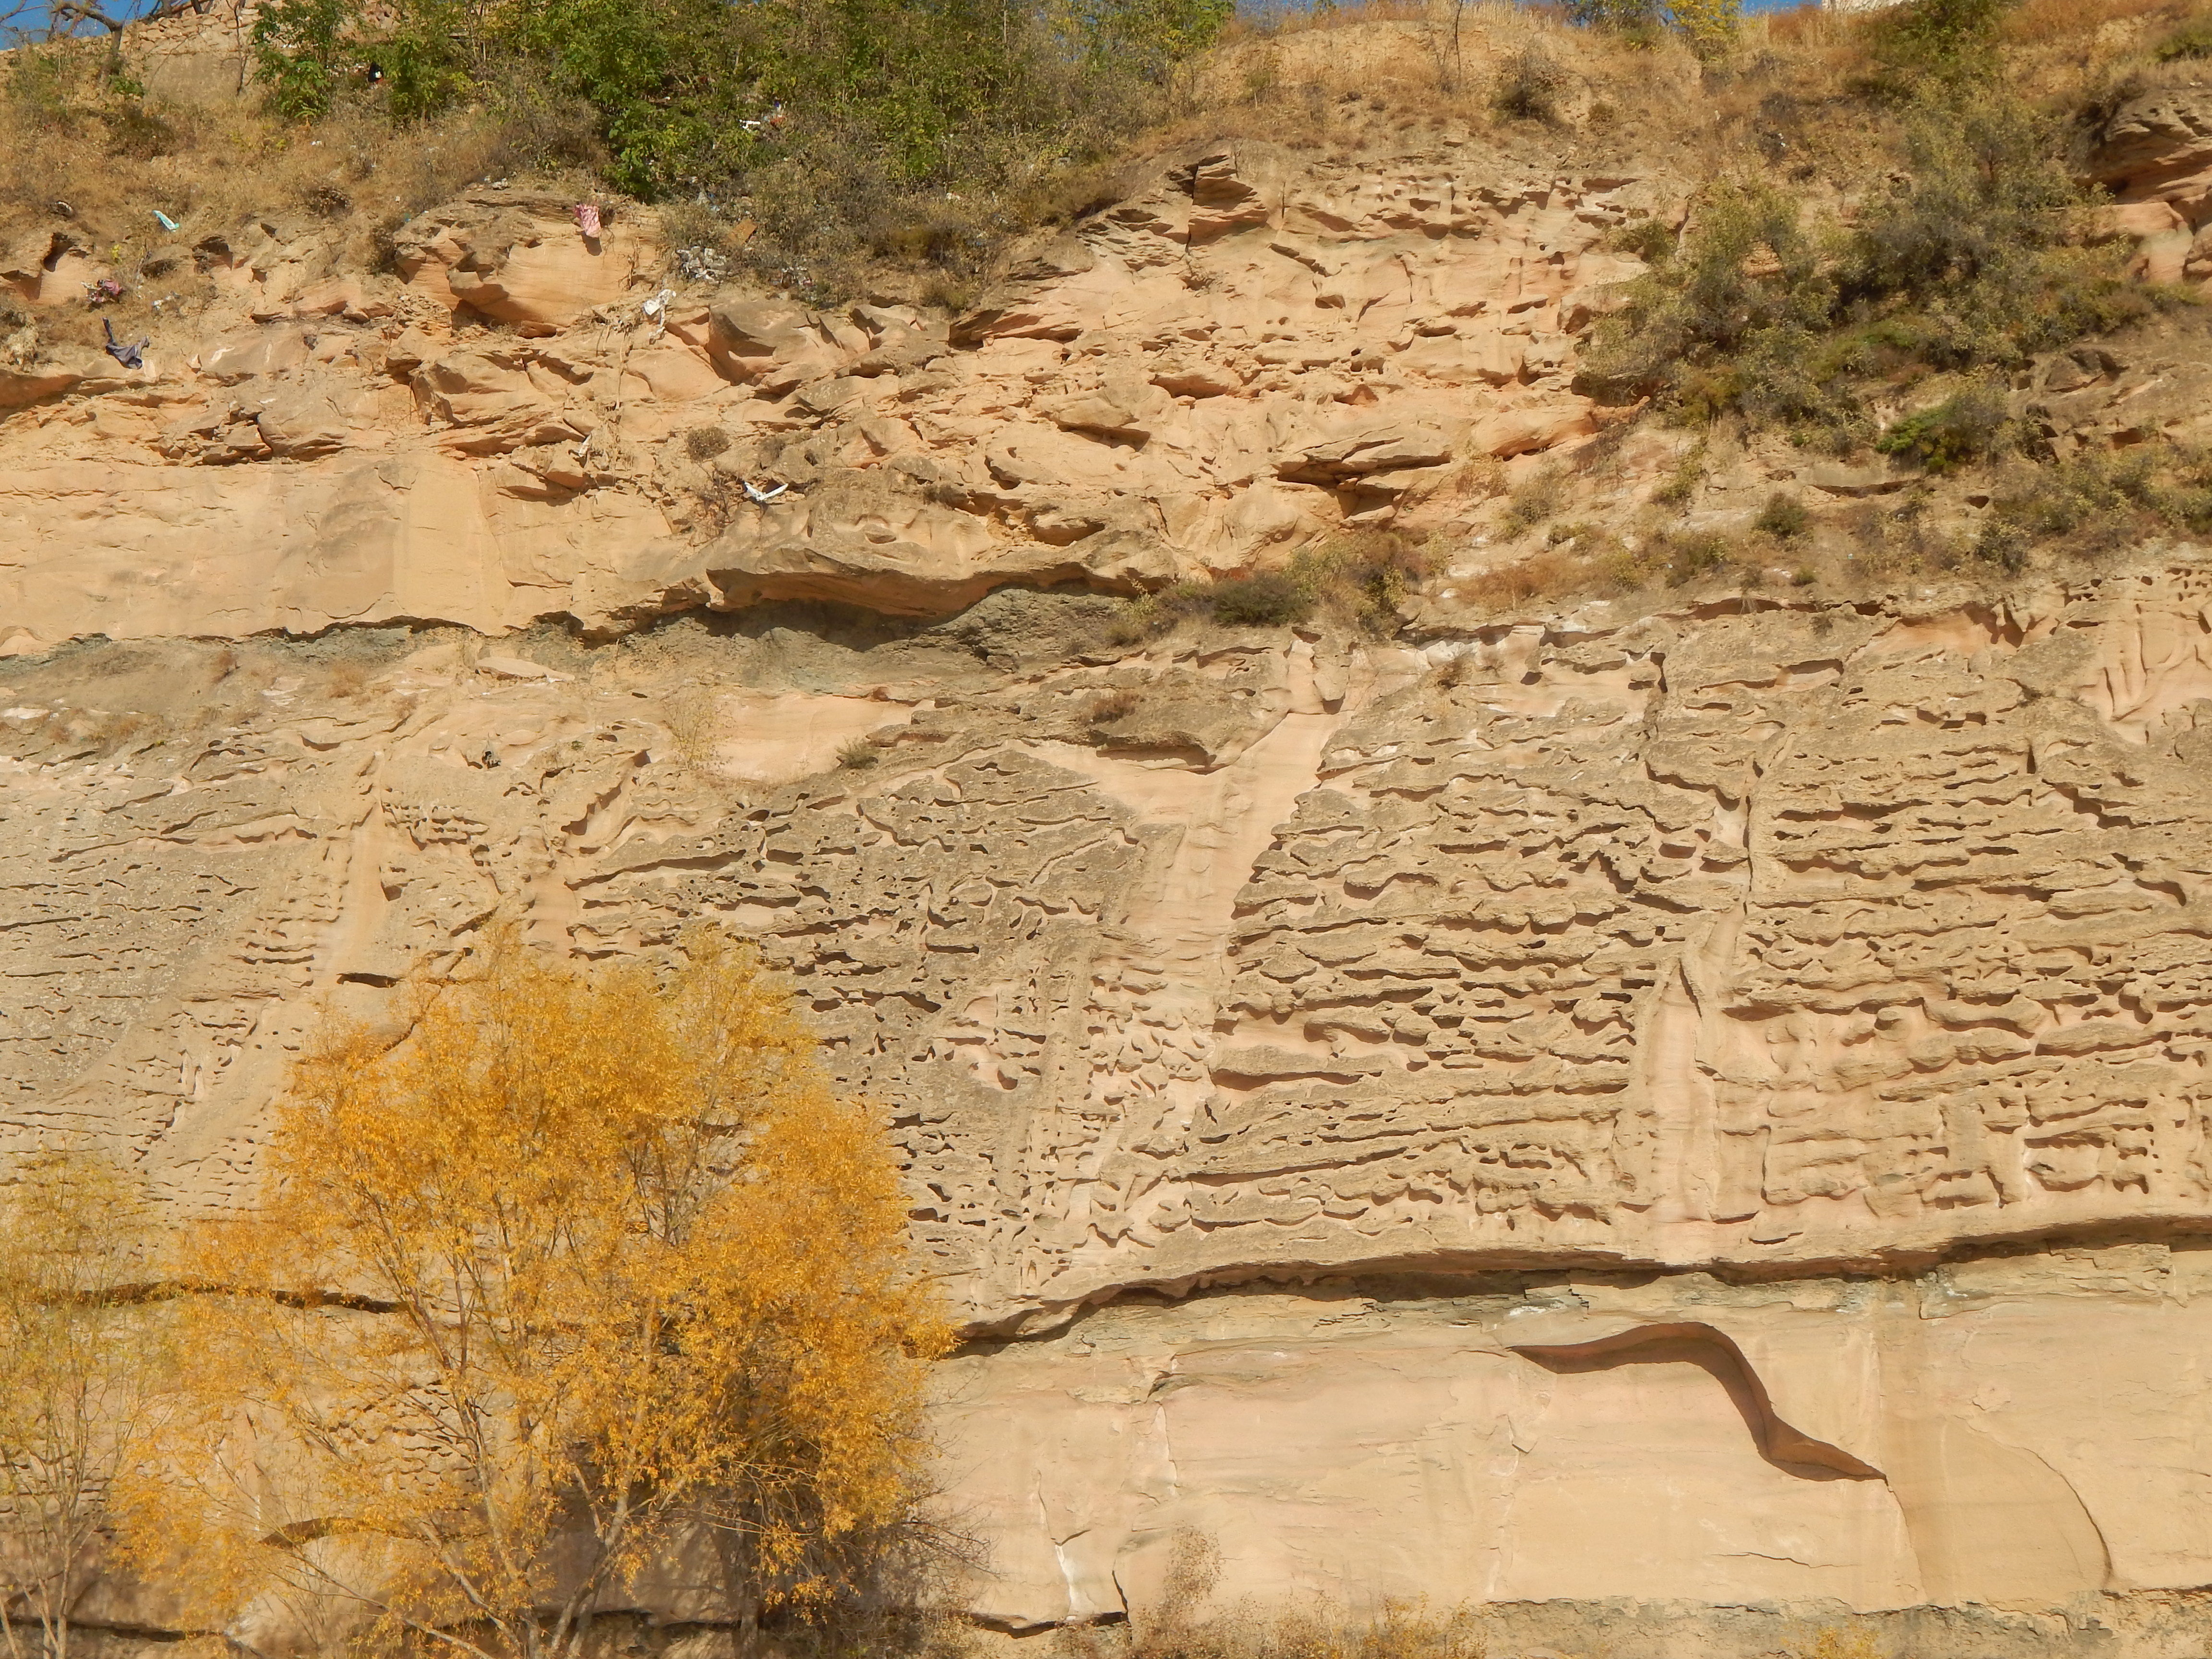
(1674, 1119)
(1254, 351)
(1742, 951)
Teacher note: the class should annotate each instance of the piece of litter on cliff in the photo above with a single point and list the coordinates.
(103, 291)
(167, 223)
(754, 494)
(772, 118)
(131, 357)
(707, 265)
(587, 219)
(656, 308)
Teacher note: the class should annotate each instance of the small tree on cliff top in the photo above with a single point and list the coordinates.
(586, 1278)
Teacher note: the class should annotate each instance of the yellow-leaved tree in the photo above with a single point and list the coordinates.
(83, 1383)
(591, 1279)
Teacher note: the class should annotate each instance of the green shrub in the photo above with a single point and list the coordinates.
(2002, 543)
(1647, 239)
(2097, 503)
(1985, 192)
(1679, 487)
(1969, 257)
(299, 48)
(423, 61)
(1784, 517)
(838, 128)
(1745, 268)
(1970, 424)
(1941, 40)
(2192, 39)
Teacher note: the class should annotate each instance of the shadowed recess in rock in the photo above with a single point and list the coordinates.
(1715, 1353)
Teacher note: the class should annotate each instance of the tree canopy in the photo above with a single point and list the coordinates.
(589, 1274)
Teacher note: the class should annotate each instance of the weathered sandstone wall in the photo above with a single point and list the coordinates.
(1773, 1041)
(1252, 350)
(1679, 1119)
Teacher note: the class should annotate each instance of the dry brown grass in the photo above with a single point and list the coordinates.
(346, 679)
(1116, 704)
(693, 716)
(1590, 562)
(95, 164)
(1800, 74)
(1550, 575)
(1188, 1624)
(1268, 22)
(1364, 76)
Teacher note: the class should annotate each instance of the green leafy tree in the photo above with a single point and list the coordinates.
(299, 53)
(426, 60)
(1709, 26)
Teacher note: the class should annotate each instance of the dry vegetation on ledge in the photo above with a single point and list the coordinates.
(1849, 368)
(1888, 341)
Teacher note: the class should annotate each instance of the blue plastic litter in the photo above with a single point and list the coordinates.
(167, 223)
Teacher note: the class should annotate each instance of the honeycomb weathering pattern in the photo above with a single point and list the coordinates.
(1665, 1127)
(1768, 939)
(1793, 938)
(1604, 975)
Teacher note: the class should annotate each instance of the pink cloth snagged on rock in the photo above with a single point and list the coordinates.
(587, 219)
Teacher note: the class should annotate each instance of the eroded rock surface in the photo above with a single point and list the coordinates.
(1253, 351)
(1675, 1122)
(1869, 1445)
(1629, 979)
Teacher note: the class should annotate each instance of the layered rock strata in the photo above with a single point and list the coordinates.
(1255, 351)
(1678, 1122)
(1638, 975)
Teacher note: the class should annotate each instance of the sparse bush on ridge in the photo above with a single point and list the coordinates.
(1784, 517)
(1969, 257)
(1708, 27)
(1534, 500)
(1357, 579)
(1528, 86)
(807, 138)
